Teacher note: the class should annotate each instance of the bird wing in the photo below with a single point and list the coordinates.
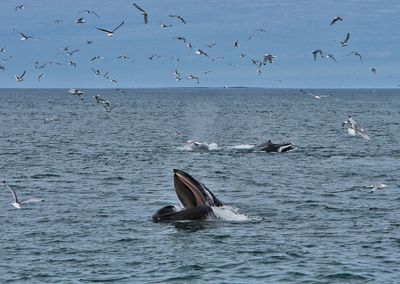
(146, 18)
(104, 30)
(23, 74)
(12, 191)
(347, 38)
(32, 200)
(93, 12)
(140, 9)
(118, 26)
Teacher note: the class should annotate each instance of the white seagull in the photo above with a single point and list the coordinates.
(268, 58)
(143, 12)
(76, 92)
(20, 78)
(80, 21)
(17, 203)
(355, 129)
(24, 37)
(111, 33)
(377, 186)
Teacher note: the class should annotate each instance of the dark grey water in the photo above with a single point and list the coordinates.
(309, 216)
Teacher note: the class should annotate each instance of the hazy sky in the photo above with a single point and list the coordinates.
(293, 29)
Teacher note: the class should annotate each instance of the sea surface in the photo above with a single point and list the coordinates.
(305, 216)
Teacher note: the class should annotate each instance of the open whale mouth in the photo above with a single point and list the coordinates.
(192, 193)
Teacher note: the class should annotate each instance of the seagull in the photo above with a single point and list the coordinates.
(123, 57)
(98, 99)
(179, 17)
(89, 42)
(357, 54)
(2, 68)
(211, 45)
(20, 78)
(335, 19)
(17, 204)
(71, 63)
(201, 52)
(191, 77)
(97, 72)
(165, 26)
(70, 53)
(315, 96)
(268, 58)
(3, 49)
(96, 57)
(242, 55)
(40, 76)
(355, 129)
(58, 21)
(331, 56)
(236, 44)
(376, 186)
(24, 37)
(76, 92)
(189, 44)
(346, 40)
(181, 38)
(111, 33)
(90, 12)
(315, 52)
(373, 70)
(143, 12)
(19, 7)
(80, 21)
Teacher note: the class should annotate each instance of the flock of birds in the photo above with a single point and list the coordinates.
(259, 63)
(68, 51)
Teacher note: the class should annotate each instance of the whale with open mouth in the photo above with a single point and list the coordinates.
(195, 197)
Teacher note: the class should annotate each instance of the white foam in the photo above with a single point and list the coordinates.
(228, 213)
(242, 147)
(213, 146)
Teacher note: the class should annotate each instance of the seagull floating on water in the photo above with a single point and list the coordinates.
(111, 33)
(143, 12)
(17, 203)
(377, 186)
(355, 129)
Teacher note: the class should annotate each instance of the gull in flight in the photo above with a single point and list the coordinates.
(211, 45)
(236, 44)
(355, 129)
(40, 76)
(143, 12)
(165, 26)
(19, 7)
(24, 37)
(201, 52)
(70, 53)
(335, 19)
(178, 17)
(346, 40)
(331, 56)
(310, 94)
(317, 51)
(80, 21)
(20, 78)
(76, 92)
(357, 54)
(111, 33)
(3, 49)
(181, 38)
(373, 70)
(377, 186)
(17, 203)
(268, 58)
(192, 77)
(90, 12)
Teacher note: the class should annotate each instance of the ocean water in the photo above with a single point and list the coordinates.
(303, 217)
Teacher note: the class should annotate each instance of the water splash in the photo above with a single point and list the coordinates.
(228, 213)
(242, 147)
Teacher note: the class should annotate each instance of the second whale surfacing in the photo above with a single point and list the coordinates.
(272, 147)
(195, 197)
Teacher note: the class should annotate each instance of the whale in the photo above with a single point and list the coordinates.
(272, 147)
(197, 200)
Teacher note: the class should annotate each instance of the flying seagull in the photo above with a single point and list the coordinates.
(76, 92)
(40, 76)
(143, 12)
(317, 51)
(20, 78)
(179, 17)
(111, 33)
(90, 12)
(268, 58)
(373, 70)
(331, 56)
(17, 203)
(70, 53)
(201, 52)
(19, 7)
(236, 44)
(310, 94)
(357, 54)
(355, 129)
(346, 40)
(163, 26)
(80, 21)
(335, 19)
(24, 37)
